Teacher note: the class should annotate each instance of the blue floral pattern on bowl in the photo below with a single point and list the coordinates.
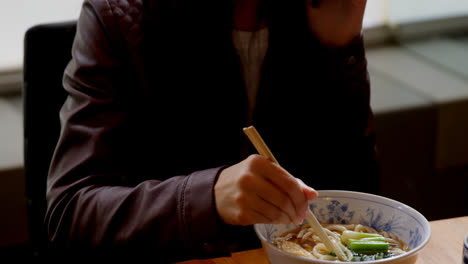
(333, 212)
(336, 212)
(465, 250)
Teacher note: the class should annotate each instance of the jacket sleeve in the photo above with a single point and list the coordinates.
(88, 207)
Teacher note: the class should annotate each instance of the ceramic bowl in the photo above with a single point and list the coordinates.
(347, 207)
(465, 250)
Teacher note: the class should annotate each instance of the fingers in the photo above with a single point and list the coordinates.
(273, 214)
(260, 191)
(276, 204)
(309, 192)
(284, 182)
(253, 210)
(315, 3)
(359, 3)
(237, 201)
(318, 3)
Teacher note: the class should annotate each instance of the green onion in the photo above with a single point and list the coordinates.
(365, 243)
(368, 246)
(380, 239)
(356, 235)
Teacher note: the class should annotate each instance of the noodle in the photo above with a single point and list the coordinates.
(303, 241)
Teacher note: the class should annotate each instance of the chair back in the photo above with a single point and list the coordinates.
(47, 51)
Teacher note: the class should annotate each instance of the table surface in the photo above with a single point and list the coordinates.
(445, 246)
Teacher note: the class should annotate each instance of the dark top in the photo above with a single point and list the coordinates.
(155, 109)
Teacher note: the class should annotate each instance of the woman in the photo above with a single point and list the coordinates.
(152, 158)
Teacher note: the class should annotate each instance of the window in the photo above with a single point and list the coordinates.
(16, 16)
(407, 11)
(376, 12)
(381, 12)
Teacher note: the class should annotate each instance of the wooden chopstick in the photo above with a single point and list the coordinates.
(263, 149)
(259, 143)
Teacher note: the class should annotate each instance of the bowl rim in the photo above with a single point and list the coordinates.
(412, 252)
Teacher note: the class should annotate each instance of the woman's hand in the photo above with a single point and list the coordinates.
(336, 22)
(257, 190)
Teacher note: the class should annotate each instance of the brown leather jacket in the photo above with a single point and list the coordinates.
(156, 108)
